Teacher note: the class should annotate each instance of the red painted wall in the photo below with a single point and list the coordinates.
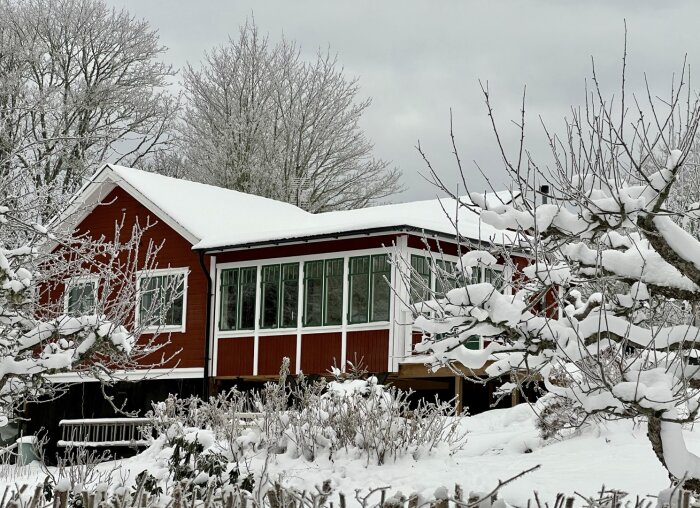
(372, 346)
(235, 357)
(303, 249)
(272, 349)
(118, 207)
(320, 352)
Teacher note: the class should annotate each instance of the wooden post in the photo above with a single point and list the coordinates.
(459, 393)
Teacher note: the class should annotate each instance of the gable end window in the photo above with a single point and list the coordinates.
(80, 296)
(369, 290)
(162, 299)
(237, 304)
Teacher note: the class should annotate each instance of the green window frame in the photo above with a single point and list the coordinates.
(369, 292)
(420, 278)
(323, 292)
(237, 298)
(279, 296)
(162, 300)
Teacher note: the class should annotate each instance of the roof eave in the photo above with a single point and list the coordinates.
(341, 234)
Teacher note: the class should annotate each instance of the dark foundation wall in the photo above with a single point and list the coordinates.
(86, 400)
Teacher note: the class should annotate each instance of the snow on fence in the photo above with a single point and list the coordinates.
(103, 432)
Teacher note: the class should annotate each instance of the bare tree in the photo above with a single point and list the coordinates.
(80, 84)
(261, 120)
(613, 352)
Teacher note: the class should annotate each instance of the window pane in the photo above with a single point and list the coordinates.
(162, 300)
(313, 292)
(270, 292)
(174, 299)
(473, 342)
(148, 306)
(445, 279)
(381, 290)
(359, 290)
(228, 311)
(290, 295)
(81, 298)
(246, 316)
(333, 304)
(476, 275)
(494, 277)
(420, 278)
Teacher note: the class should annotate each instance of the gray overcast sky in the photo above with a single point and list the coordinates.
(418, 59)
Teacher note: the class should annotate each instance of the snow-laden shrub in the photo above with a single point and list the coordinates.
(558, 417)
(357, 417)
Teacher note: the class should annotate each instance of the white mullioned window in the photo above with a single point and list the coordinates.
(162, 299)
(80, 296)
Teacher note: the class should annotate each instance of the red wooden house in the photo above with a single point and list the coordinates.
(262, 280)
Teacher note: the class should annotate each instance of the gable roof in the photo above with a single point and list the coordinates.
(193, 209)
(212, 217)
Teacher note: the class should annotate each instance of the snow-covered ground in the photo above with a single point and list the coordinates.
(500, 444)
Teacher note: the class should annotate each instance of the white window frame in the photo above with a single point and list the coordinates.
(74, 281)
(159, 272)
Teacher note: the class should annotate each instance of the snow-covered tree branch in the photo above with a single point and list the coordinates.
(612, 252)
(68, 305)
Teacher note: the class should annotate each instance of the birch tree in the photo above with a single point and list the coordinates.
(260, 119)
(611, 352)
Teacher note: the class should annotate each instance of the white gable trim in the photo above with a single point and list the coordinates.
(97, 188)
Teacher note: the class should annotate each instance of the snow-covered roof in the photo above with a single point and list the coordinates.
(213, 217)
(206, 210)
(435, 215)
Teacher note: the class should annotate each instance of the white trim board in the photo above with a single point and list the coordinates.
(131, 375)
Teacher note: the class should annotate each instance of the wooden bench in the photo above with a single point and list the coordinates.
(103, 433)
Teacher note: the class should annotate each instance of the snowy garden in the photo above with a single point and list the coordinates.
(596, 333)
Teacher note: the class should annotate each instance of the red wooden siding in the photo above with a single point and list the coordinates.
(303, 249)
(272, 349)
(372, 346)
(320, 351)
(436, 246)
(235, 357)
(176, 252)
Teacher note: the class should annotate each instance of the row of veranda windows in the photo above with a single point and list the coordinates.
(322, 286)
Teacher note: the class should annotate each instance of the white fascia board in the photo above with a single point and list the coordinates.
(131, 375)
(143, 199)
(95, 190)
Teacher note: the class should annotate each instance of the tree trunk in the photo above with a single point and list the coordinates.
(654, 435)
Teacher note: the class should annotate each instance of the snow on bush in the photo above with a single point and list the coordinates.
(355, 419)
(604, 224)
